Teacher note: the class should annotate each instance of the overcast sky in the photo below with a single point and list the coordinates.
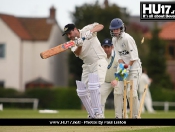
(40, 8)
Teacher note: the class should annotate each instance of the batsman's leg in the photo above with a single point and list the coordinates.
(94, 89)
(83, 95)
(118, 99)
(134, 76)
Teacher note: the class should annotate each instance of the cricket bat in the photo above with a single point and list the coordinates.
(56, 50)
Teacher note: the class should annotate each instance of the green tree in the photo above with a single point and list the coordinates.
(90, 13)
(156, 62)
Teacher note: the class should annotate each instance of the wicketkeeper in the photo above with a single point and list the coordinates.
(110, 84)
(126, 53)
(88, 48)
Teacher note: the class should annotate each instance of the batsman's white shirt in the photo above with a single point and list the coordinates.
(91, 49)
(93, 56)
(126, 50)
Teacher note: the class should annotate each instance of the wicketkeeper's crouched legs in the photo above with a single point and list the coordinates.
(83, 95)
(93, 86)
(105, 90)
(118, 104)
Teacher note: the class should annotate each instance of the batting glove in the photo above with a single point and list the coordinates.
(125, 72)
(78, 41)
(120, 68)
(118, 76)
(88, 35)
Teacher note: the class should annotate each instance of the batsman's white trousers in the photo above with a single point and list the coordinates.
(99, 67)
(135, 76)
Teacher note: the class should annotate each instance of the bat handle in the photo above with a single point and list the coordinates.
(83, 38)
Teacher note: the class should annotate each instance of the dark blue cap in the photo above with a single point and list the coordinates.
(107, 42)
(68, 28)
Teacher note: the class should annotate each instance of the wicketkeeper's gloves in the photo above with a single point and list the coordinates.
(125, 72)
(120, 68)
(122, 72)
(118, 76)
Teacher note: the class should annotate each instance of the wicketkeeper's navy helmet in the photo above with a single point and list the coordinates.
(116, 23)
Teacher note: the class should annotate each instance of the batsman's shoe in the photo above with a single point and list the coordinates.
(98, 116)
(138, 118)
(90, 117)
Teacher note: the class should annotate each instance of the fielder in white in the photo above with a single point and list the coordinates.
(88, 48)
(145, 80)
(126, 53)
(110, 81)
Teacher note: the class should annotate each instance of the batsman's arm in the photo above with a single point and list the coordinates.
(131, 62)
(97, 28)
(121, 61)
(78, 51)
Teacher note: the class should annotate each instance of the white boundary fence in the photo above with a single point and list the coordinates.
(21, 100)
(165, 104)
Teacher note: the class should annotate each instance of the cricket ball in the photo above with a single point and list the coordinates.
(125, 66)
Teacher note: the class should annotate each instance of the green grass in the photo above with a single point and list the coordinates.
(25, 113)
(157, 129)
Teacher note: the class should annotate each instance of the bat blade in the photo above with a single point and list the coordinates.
(56, 50)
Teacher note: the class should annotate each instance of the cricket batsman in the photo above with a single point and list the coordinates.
(88, 48)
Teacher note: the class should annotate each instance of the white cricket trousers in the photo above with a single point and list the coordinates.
(99, 67)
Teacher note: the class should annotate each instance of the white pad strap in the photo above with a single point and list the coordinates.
(93, 86)
(93, 81)
(81, 92)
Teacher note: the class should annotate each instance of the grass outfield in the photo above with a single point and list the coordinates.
(24, 113)
(21, 113)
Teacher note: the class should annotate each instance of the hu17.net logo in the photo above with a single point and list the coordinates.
(157, 10)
